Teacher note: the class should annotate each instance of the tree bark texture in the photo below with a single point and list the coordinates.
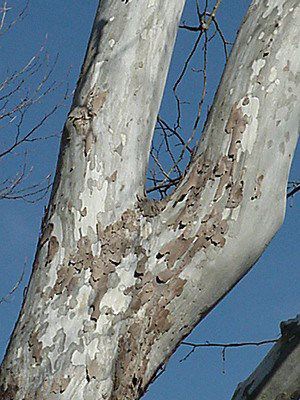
(119, 280)
(278, 376)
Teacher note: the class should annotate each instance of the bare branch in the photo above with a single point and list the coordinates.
(23, 91)
(212, 15)
(225, 346)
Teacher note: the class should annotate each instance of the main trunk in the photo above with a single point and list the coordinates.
(118, 281)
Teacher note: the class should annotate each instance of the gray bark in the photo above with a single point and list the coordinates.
(119, 280)
(278, 376)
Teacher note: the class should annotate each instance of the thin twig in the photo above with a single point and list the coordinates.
(14, 288)
(295, 187)
(225, 346)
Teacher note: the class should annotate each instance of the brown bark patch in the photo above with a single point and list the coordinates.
(53, 247)
(236, 195)
(164, 276)
(9, 393)
(130, 366)
(141, 267)
(116, 243)
(35, 347)
(46, 234)
(160, 322)
(237, 121)
(151, 208)
(65, 279)
(175, 249)
(236, 126)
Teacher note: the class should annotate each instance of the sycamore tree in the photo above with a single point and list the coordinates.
(119, 280)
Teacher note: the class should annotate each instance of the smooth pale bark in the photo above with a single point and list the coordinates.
(278, 376)
(119, 280)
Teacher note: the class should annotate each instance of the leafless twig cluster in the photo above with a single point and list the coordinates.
(175, 143)
(22, 91)
(5, 25)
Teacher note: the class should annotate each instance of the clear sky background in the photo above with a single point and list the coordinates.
(252, 311)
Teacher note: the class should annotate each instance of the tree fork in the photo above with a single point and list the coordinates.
(118, 280)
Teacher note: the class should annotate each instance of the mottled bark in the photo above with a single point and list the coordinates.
(278, 376)
(118, 280)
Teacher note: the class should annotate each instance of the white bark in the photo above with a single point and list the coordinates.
(119, 280)
(278, 376)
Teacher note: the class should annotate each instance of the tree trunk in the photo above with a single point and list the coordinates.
(278, 376)
(119, 280)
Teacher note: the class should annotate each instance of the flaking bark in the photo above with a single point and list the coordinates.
(118, 280)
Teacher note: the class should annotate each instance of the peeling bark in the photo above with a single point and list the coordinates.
(278, 376)
(119, 280)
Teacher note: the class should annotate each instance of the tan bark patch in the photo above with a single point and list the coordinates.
(98, 101)
(93, 370)
(113, 177)
(60, 384)
(164, 276)
(65, 279)
(257, 188)
(236, 126)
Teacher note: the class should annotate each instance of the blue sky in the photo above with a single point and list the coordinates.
(252, 311)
